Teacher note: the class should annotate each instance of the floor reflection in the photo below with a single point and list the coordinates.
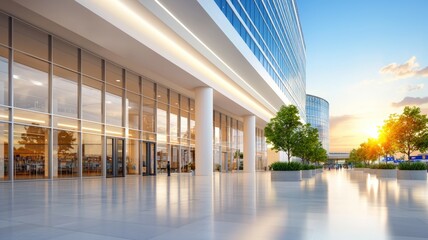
(337, 204)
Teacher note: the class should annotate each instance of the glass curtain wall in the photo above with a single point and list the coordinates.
(68, 101)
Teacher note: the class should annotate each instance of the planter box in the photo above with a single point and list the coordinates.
(306, 173)
(366, 170)
(387, 173)
(412, 174)
(286, 176)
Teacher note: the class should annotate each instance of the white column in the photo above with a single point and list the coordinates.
(204, 131)
(250, 144)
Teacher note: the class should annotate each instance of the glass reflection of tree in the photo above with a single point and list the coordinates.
(32, 149)
(65, 142)
(67, 158)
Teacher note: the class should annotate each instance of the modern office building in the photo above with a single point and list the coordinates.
(116, 88)
(317, 114)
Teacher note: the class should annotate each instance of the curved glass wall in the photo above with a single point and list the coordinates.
(73, 113)
(317, 114)
(271, 30)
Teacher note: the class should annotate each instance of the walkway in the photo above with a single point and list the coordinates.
(334, 205)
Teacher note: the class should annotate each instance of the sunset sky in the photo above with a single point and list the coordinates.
(368, 58)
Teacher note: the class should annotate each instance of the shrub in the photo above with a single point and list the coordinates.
(360, 165)
(386, 166)
(312, 167)
(374, 166)
(412, 166)
(306, 167)
(284, 166)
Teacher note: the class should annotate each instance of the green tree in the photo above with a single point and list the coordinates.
(370, 150)
(281, 131)
(307, 143)
(409, 130)
(386, 139)
(319, 154)
(356, 155)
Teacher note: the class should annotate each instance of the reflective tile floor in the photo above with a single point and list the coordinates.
(333, 205)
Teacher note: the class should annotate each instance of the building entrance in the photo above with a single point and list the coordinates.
(115, 152)
(148, 160)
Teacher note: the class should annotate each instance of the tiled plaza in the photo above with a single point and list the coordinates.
(333, 205)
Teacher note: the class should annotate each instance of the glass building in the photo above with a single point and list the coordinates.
(272, 31)
(127, 87)
(317, 114)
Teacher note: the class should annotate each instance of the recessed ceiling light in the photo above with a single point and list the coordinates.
(118, 80)
(108, 102)
(15, 76)
(159, 95)
(37, 83)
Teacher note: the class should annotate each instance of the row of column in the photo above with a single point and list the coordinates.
(204, 135)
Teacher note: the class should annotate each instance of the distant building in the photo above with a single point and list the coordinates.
(317, 114)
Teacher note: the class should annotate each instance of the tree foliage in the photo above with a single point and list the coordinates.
(404, 133)
(409, 131)
(282, 130)
(309, 148)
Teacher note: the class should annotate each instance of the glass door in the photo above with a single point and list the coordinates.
(114, 157)
(148, 163)
(175, 152)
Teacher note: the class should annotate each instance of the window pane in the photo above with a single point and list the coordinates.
(148, 115)
(4, 29)
(148, 89)
(65, 54)
(91, 127)
(133, 83)
(91, 155)
(4, 75)
(192, 126)
(31, 152)
(30, 83)
(184, 125)
(184, 103)
(161, 122)
(91, 99)
(133, 108)
(174, 99)
(162, 157)
(114, 75)
(91, 65)
(4, 151)
(33, 118)
(30, 40)
(192, 106)
(65, 159)
(162, 94)
(132, 158)
(65, 123)
(114, 105)
(173, 125)
(65, 92)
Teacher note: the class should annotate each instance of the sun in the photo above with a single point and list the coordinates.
(372, 132)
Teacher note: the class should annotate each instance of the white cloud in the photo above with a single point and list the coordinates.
(415, 87)
(405, 70)
(411, 101)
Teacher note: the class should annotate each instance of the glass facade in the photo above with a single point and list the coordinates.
(271, 30)
(66, 113)
(317, 114)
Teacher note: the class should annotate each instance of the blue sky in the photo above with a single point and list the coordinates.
(365, 57)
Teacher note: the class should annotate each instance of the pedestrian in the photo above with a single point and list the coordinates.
(168, 168)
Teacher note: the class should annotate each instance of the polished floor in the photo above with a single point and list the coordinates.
(333, 205)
